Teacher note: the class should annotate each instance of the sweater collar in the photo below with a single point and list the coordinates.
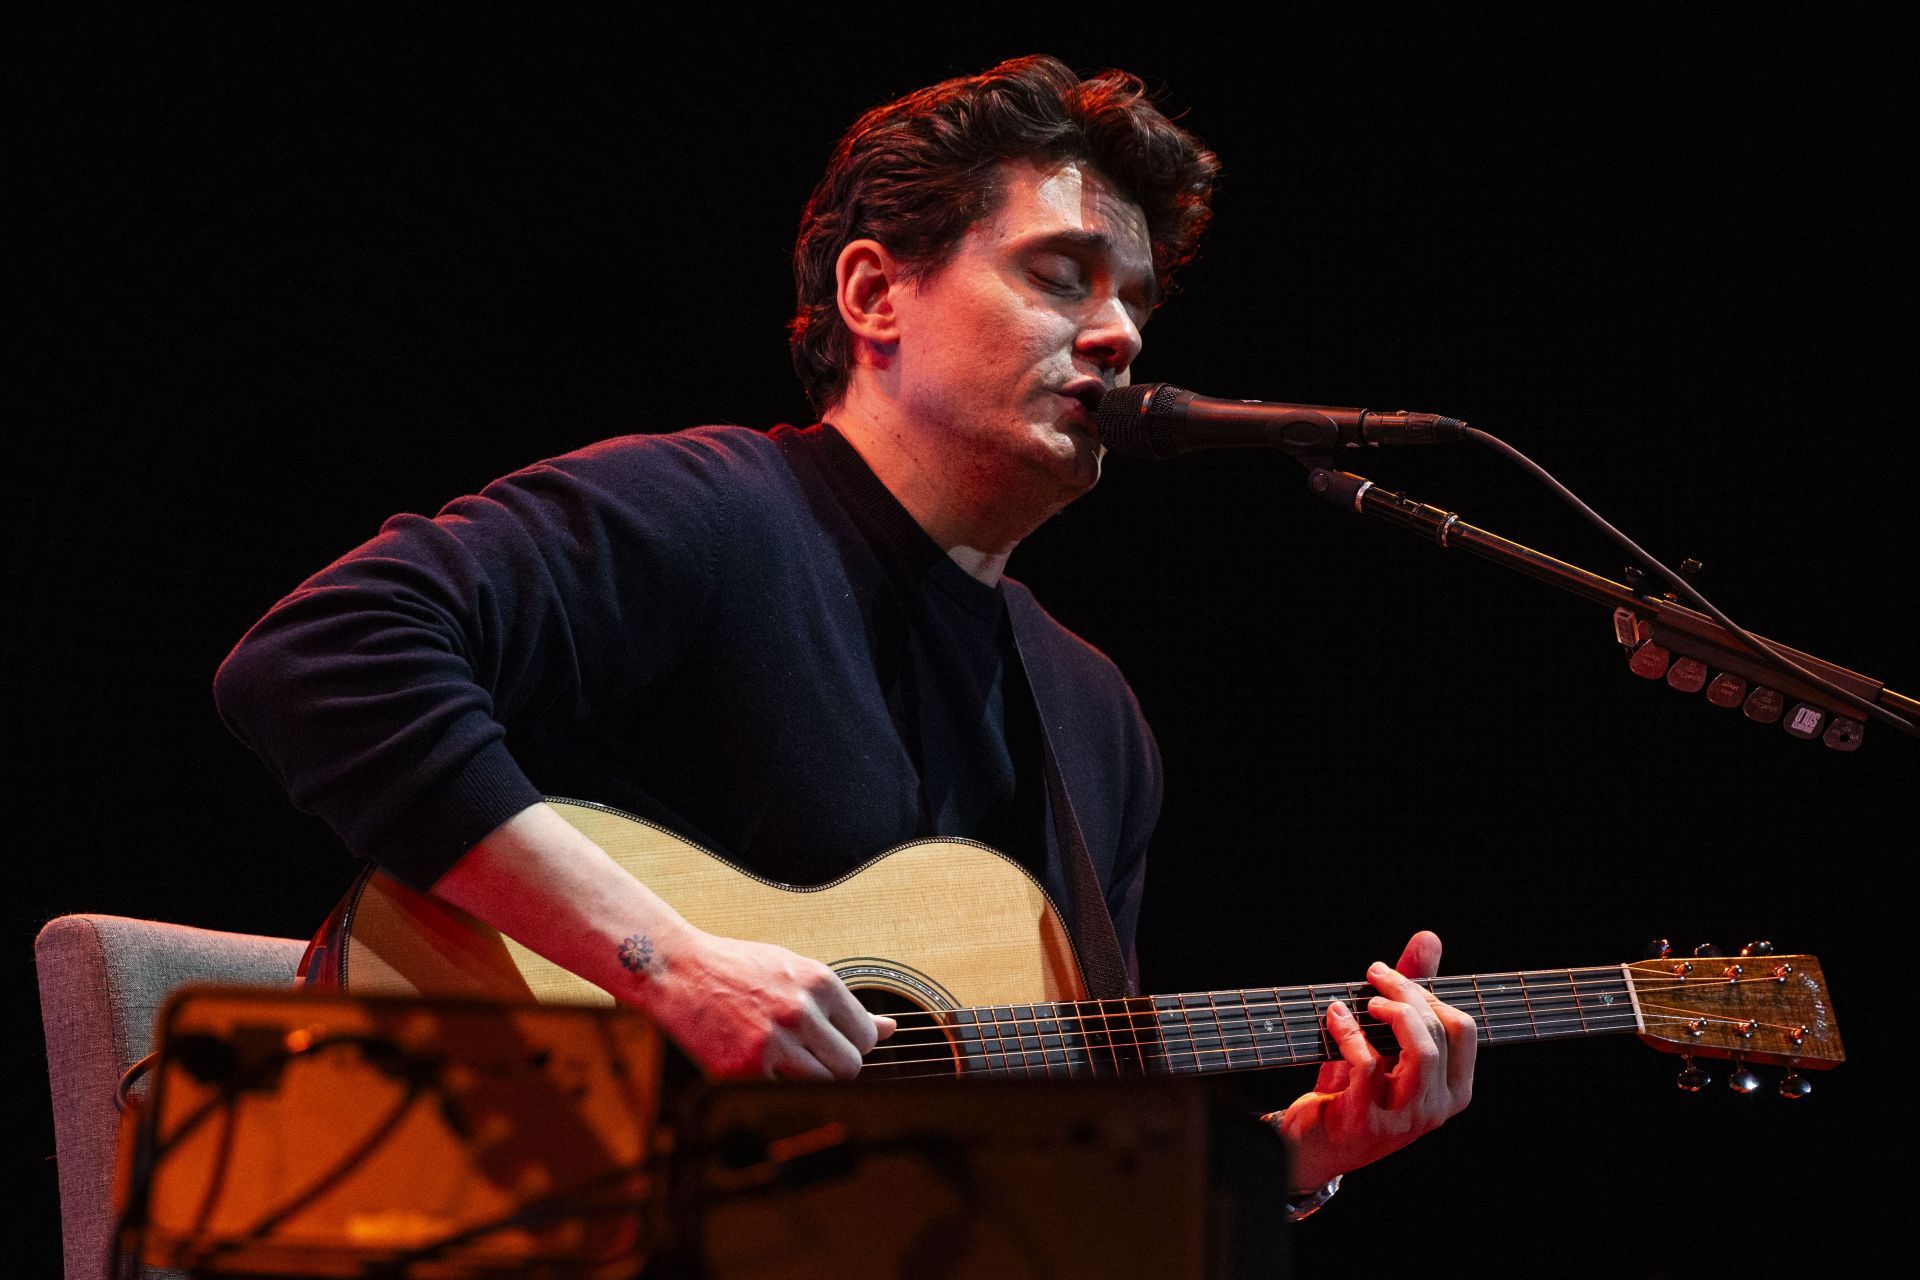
(890, 525)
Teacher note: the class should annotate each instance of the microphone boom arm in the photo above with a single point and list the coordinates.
(1671, 625)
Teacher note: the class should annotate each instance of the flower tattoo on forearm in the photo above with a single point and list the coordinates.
(637, 955)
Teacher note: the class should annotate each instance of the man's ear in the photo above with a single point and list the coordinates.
(868, 280)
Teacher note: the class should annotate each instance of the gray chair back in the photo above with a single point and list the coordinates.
(103, 980)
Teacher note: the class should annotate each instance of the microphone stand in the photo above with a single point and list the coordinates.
(1642, 622)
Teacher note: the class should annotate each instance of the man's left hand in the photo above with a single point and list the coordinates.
(1366, 1104)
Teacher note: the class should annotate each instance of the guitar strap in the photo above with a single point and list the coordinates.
(1106, 971)
(1101, 962)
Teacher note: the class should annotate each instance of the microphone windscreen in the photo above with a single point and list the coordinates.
(1133, 421)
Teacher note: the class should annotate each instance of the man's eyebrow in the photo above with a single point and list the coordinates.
(1092, 242)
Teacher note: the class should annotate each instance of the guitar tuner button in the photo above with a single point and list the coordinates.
(1805, 720)
(1659, 949)
(1843, 734)
(1706, 951)
(1742, 1081)
(1763, 705)
(1795, 1086)
(1693, 1078)
(1727, 690)
(1757, 948)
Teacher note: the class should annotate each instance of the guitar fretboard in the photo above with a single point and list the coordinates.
(1201, 1033)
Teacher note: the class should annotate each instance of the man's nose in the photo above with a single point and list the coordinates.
(1109, 336)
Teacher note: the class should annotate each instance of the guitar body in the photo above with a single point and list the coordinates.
(936, 924)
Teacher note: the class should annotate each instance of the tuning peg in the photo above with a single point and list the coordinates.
(1659, 949)
(1693, 1077)
(1795, 1086)
(1706, 951)
(1742, 1081)
(1757, 948)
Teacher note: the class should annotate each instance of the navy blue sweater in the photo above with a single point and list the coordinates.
(697, 628)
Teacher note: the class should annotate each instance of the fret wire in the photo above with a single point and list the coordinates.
(1225, 1030)
(1286, 1032)
(1047, 1052)
(1139, 1005)
(1193, 1051)
(1253, 1036)
(1582, 1013)
(1219, 1030)
(1526, 994)
(1166, 1011)
(1000, 1038)
(1022, 1028)
(1116, 1040)
(999, 1045)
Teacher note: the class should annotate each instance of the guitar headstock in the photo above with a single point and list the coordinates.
(1756, 1008)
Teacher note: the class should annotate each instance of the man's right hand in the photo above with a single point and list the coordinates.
(750, 1009)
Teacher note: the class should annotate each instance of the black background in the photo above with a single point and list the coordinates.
(292, 271)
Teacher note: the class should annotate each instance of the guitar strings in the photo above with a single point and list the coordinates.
(1173, 1034)
(1149, 1053)
(1566, 1015)
(1263, 1001)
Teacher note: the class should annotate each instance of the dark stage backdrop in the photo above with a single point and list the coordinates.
(290, 274)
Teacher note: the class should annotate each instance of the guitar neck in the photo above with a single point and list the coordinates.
(1203, 1033)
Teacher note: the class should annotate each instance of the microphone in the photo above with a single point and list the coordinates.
(1157, 420)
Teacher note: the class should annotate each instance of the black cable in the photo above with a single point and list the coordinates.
(150, 1150)
(332, 1178)
(1760, 648)
(572, 1203)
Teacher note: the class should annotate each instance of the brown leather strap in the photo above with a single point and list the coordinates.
(1105, 968)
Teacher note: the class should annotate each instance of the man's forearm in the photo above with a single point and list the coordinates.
(740, 1008)
(539, 880)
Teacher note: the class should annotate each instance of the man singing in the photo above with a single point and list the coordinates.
(799, 648)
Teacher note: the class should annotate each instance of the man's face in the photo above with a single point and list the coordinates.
(1007, 349)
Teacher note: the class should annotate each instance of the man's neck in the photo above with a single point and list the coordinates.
(971, 513)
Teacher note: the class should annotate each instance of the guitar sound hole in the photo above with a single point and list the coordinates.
(917, 1050)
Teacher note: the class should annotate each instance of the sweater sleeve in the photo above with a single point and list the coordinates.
(378, 691)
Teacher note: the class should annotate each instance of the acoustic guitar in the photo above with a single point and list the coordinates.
(962, 945)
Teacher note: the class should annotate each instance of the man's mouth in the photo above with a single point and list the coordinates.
(1087, 397)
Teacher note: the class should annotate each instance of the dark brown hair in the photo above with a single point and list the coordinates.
(916, 173)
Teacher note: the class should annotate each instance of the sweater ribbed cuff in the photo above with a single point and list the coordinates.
(441, 825)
